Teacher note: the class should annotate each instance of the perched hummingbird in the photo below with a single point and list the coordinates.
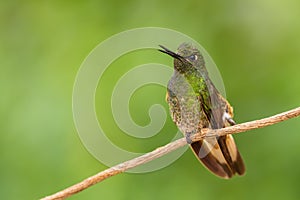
(195, 103)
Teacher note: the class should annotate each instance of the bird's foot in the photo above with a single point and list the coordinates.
(188, 137)
(231, 121)
(228, 118)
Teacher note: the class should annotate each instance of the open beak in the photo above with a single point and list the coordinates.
(170, 53)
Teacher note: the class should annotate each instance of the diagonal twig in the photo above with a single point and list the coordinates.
(122, 167)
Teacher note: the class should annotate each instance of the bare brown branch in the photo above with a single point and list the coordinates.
(169, 148)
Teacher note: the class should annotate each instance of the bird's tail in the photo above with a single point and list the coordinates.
(220, 156)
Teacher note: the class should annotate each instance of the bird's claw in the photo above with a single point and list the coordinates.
(188, 138)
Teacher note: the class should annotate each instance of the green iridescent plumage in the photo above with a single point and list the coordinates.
(194, 104)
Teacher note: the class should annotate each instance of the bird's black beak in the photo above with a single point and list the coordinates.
(170, 53)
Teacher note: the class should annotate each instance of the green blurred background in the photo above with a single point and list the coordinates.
(255, 44)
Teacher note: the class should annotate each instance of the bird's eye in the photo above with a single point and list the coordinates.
(193, 57)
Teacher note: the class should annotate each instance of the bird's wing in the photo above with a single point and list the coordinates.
(219, 116)
(208, 151)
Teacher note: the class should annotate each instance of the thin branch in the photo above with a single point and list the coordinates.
(169, 148)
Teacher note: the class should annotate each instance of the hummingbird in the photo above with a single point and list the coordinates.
(195, 103)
